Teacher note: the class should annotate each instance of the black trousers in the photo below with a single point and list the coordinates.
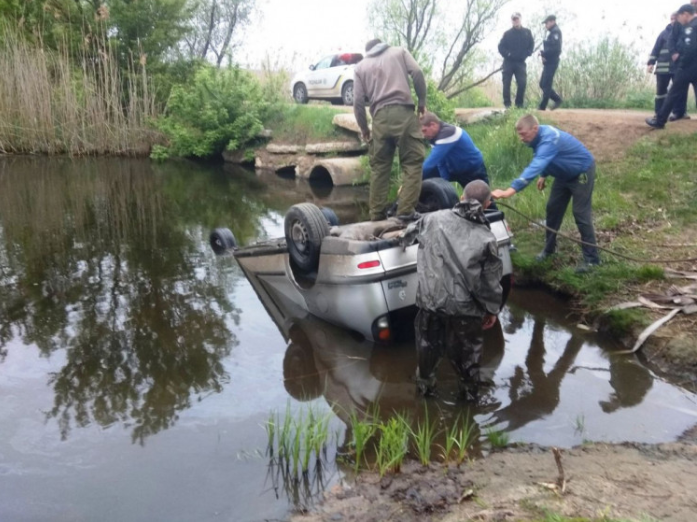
(662, 83)
(680, 107)
(678, 94)
(520, 71)
(461, 338)
(546, 83)
(463, 177)
(580, 190)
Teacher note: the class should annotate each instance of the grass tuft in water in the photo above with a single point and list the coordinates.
(392, 446)
(362, 432)
(423, 436)
(497, 438)
(460, 437)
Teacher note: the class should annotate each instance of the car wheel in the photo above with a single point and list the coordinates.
(330, 216)
(347, 93)
(506, 285)
(300, 93)
(437, 194)
(222, 240)
(304, 227)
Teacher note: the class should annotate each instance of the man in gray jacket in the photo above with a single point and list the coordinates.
(382, 78)
(459, 292)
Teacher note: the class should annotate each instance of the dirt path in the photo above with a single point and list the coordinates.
(607, 133)
(629, 482)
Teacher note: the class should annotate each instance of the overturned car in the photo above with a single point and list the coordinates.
(357, 276)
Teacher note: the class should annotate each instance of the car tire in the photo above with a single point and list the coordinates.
(300, 93)
(506, 285)
(222, 240)
(305, 226)
(437, 194)
(347, 93)
(330, 216)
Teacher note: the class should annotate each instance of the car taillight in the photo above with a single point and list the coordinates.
(369, 264)
(381, 329)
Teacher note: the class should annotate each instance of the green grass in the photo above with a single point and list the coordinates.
(423, 436)
(362, 431)
(392, 446)
(497, 438)
(304, 123)
(459, 439)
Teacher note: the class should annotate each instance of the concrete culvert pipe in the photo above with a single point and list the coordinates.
(341, 171)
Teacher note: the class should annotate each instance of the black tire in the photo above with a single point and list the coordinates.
(304, 227)
(437, 194)
(222, 240)
(347, 93)
(330, 216)
(300, 93)
(507, 285)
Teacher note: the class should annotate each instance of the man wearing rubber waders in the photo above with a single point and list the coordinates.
(558, 154)
(382, 79)
(459, 292)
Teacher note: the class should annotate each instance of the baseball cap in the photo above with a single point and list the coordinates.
(550, 18)
(687, 8)
(515, 15)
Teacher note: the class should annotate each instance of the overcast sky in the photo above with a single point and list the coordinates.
(294, 33)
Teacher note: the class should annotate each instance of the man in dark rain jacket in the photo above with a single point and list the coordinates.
(686, 72)
(459, 292)
(661, 63)
(551, 51)
(515, 47)
(675, 43)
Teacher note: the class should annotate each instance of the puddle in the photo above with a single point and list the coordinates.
(137, 370)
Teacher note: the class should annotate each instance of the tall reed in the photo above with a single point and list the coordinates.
(55, 103)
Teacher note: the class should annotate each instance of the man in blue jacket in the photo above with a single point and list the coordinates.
(454, 156)
(560, 155)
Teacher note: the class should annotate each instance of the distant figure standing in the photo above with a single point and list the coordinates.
(686, 72)
(382, 78)
(675, 44)
(516, 46)
(661, 64)
(551, 51)
(459, 292)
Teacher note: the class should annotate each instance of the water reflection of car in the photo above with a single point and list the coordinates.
(329, 79)
(356, 276)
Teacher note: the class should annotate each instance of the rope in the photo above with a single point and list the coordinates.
(499, 203)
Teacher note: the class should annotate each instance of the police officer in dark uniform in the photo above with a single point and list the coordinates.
(675, 47)
(550, 58)
(661, 63)
(686, 72)
(516, 46)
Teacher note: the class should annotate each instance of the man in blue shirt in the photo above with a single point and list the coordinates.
(454, 156)
(560, 155)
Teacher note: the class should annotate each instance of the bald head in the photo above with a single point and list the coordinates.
(478, 190)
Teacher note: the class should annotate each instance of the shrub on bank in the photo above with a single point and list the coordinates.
(221, 109)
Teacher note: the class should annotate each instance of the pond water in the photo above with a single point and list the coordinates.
(137, 369)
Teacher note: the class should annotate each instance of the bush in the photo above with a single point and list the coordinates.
(221, 109)
(604, 74)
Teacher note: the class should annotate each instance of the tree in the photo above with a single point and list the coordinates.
(449, 36)
(214, 26)
(406, 23)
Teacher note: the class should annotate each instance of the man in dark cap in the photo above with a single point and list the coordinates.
(686, 72)
(550, 53)
(661, 64)
(515, 47)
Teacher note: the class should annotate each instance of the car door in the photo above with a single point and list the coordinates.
(317, 78)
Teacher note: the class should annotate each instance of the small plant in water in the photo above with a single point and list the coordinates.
(423, 436)
(362, 431)
(459, 436)
(392, 447)
(497, 438)
(580, 424)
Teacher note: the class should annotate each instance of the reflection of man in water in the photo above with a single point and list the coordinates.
(543, 396)
(631, 383)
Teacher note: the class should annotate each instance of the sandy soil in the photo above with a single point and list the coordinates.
(629, 481)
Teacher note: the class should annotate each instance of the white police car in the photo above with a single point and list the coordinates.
(329, 79)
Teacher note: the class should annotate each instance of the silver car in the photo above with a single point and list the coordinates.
(356, 276)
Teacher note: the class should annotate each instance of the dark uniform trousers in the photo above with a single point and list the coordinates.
(546, 83)
(678, 94)
(520, 71)
(680, 107)
(461, 338)
(662, 83)
(580, 189)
